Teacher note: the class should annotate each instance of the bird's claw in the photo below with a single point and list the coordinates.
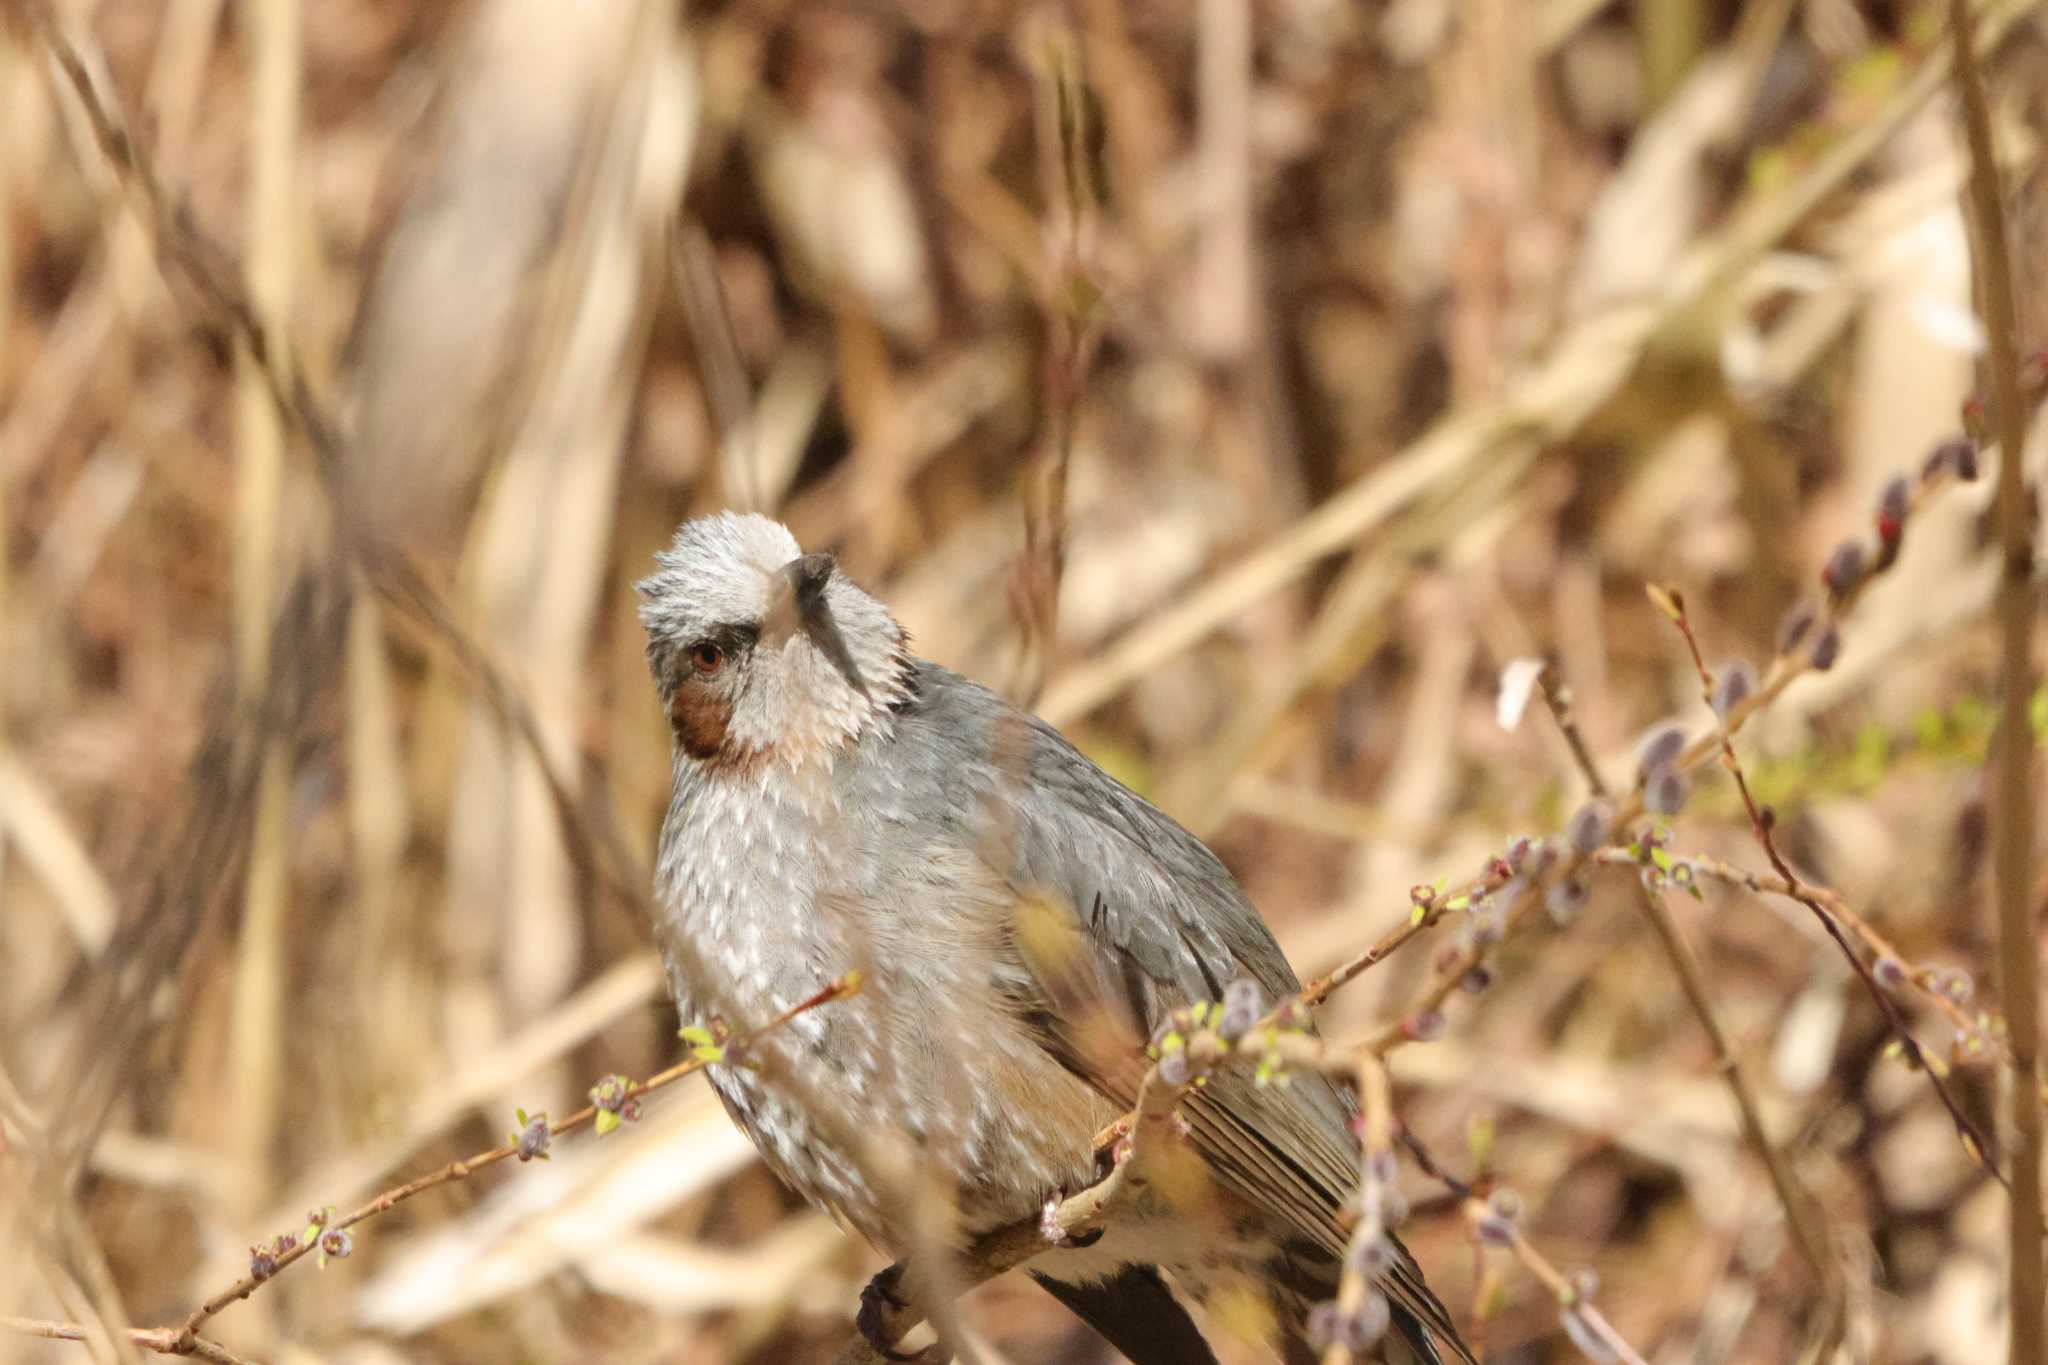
(879, 1304)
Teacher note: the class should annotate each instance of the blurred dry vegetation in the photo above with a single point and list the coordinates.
(1425, 334)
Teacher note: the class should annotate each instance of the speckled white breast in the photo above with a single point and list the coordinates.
(765, 881)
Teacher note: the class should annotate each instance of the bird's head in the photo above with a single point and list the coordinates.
(761, 651)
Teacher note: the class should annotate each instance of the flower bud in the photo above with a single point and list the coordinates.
(1893, 501)
(1564, 901)
(1589, 827)
(1664, 792)
(1662, 747)
(1424, 1027)
(1242, 1006)
(1792, 627)
(1844, 571)
(1733, 686)
(1826, 650)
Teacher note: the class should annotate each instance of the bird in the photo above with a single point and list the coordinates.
(839, 803)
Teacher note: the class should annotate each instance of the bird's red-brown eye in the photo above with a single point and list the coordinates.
(706, 656)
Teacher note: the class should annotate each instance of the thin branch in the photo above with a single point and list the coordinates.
(1762, 823)
(1491, 1226)
(2013, 812)
(1942, 988)
(164, 1341)
(1558, 697)
(839, 988)
(1800, 1213)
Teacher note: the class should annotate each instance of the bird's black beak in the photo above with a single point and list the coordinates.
(807, 578)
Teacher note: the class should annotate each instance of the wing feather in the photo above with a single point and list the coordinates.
(1165, 925)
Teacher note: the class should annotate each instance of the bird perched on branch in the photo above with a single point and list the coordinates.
(1025, 923)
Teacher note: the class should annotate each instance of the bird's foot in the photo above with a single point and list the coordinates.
(880, 1307)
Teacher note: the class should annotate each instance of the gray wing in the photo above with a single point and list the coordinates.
(1165, 925)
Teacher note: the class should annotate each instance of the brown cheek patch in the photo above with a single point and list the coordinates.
(700, 721)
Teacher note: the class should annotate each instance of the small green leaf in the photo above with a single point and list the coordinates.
(708, 1053)
(1662, 858)
(1417, 914)
(1458, 903)
(697, 1035)
(606, 1121)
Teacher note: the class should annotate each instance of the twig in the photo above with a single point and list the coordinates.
(1762, 823)
(839, 988)
(1793, 1198)
(1973, 1031)
(1492, 1227)
(1375, 1163)
(1426, 908)
(269, 1261)
(1798, 1206)
(2013, 812)
(1558, 698)
(164, 1341)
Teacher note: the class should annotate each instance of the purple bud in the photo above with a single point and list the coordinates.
(1373, 1255)
(1892, 504)
(1495, 1231)
(1958, 453)
(1518, 851)
(1662, 747)
(336, 1244)
(1382, 1167)
(1589, 827)
(1364, 1328)
(1826, 650)
(1174, 1068)
(1844, 570)
(262, 1262)
(1664, 792)
(1476, 981)
(1890, 973)
(1329, 1325)
(1422, 894)
(1792, 627)
(1565, 900)
(1424, 1027)
(533, 1138)
(1322, 1325)
(1242, 1006)
(1733, 686)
